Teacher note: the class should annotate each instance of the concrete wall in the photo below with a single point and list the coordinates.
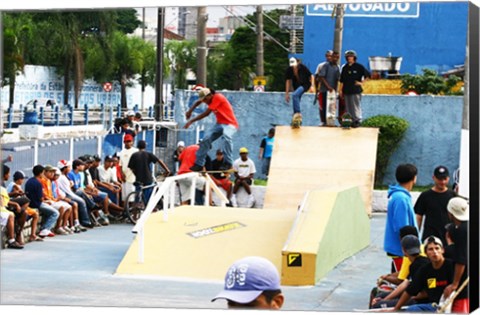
(432, 139)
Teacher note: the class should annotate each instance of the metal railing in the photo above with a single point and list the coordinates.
(166, 189)
(66, 115)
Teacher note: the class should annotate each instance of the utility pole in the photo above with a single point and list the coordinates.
(202, 18)
(159, 72)
(142, 105)
(260, 64)
(338, 33)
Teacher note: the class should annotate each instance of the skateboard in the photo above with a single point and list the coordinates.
(331, 108)
(346, 121)
(296, 120)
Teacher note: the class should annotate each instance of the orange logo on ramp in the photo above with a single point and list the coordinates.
(294, 260)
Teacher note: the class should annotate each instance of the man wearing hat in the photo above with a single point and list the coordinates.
(412, 250)
(299, 79)
(352, 76)
(432, 278)
(176, 154)
(252, 282)
(431, 206)
(128, 177)
(244, 169)
(226, 126)
(458, 210)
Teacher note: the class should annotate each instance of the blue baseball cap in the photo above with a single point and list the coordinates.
(247, 278)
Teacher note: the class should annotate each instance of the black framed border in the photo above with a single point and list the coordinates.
(474, 86)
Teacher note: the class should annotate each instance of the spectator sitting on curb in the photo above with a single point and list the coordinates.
(34, 192)
(7, 219)
(244, 169)
(252, 282)
(15, 189)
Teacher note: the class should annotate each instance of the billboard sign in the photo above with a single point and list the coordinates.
(373, 10)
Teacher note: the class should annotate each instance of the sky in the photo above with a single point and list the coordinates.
(214, 12)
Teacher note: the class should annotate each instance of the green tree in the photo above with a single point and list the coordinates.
(131, 56)
(17, 35)
(180, 56)
(429, 82)
(236, 67)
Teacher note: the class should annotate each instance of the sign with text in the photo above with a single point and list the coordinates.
(373, 10)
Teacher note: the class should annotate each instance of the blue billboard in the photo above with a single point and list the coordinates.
(429, 35)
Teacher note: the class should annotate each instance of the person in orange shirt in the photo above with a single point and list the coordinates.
(64, 208)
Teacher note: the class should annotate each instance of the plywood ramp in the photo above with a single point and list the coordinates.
(202, 242)
(331, 226)
(320, 158)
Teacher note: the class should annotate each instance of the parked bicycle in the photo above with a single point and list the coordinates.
(136, 201)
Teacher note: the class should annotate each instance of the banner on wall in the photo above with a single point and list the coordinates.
(39, 82)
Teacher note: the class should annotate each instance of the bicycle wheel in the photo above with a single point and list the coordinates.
(134, 206)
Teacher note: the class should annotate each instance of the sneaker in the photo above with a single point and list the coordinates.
(251, 201)
(103, 221)
(46, 233)
(81, 228)
(61, 231)
(89, 226)
(196, 168)
(68, 230)
(14, 245)
(233, 201)
(103, 216)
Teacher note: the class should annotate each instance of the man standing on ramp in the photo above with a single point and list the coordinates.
(299, 78)
(225, 127)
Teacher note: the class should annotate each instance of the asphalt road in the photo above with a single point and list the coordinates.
(78, 271)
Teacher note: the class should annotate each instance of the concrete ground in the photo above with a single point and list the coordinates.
(79, 270)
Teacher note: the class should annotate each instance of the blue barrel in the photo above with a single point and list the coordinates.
(30, 118)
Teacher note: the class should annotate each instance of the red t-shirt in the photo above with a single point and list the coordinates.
(187, 158)
(223, 110)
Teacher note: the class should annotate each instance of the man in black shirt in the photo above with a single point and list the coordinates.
(432, 278)
(351, 78)
(140, 165)
(299, 79)
(458, 210)
(432, 205)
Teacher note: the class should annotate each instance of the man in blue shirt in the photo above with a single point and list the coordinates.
(399, 212)
(266, 150)
(34, 192)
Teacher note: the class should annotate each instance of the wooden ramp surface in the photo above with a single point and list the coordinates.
(202, 242)
(319, 158)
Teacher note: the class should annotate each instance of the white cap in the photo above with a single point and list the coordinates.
(180, 144)
(293, 61)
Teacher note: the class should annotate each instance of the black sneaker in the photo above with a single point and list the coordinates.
(14, 245)
(196, 168)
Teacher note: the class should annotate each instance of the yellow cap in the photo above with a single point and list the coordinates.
(243, 150)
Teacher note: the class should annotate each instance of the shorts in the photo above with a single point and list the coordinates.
(31, 212)
(185, 186)
(224, 183)
(61, 204)
(20, 200)
(4, 215)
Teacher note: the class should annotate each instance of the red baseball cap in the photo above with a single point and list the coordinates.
(128, 137)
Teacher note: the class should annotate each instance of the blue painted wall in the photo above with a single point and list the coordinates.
(436, 39)
(432, 139)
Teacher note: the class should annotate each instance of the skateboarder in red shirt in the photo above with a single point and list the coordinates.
(225, 126)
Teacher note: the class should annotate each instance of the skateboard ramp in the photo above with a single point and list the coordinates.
(320, 158)
(330, 227)
(202, 242)
(334, 167)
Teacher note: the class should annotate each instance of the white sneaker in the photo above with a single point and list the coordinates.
(233, 200)
(251, 201)
(61, 231)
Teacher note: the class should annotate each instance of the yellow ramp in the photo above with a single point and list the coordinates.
(332, 226)
(202, 242)
(320, 158)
